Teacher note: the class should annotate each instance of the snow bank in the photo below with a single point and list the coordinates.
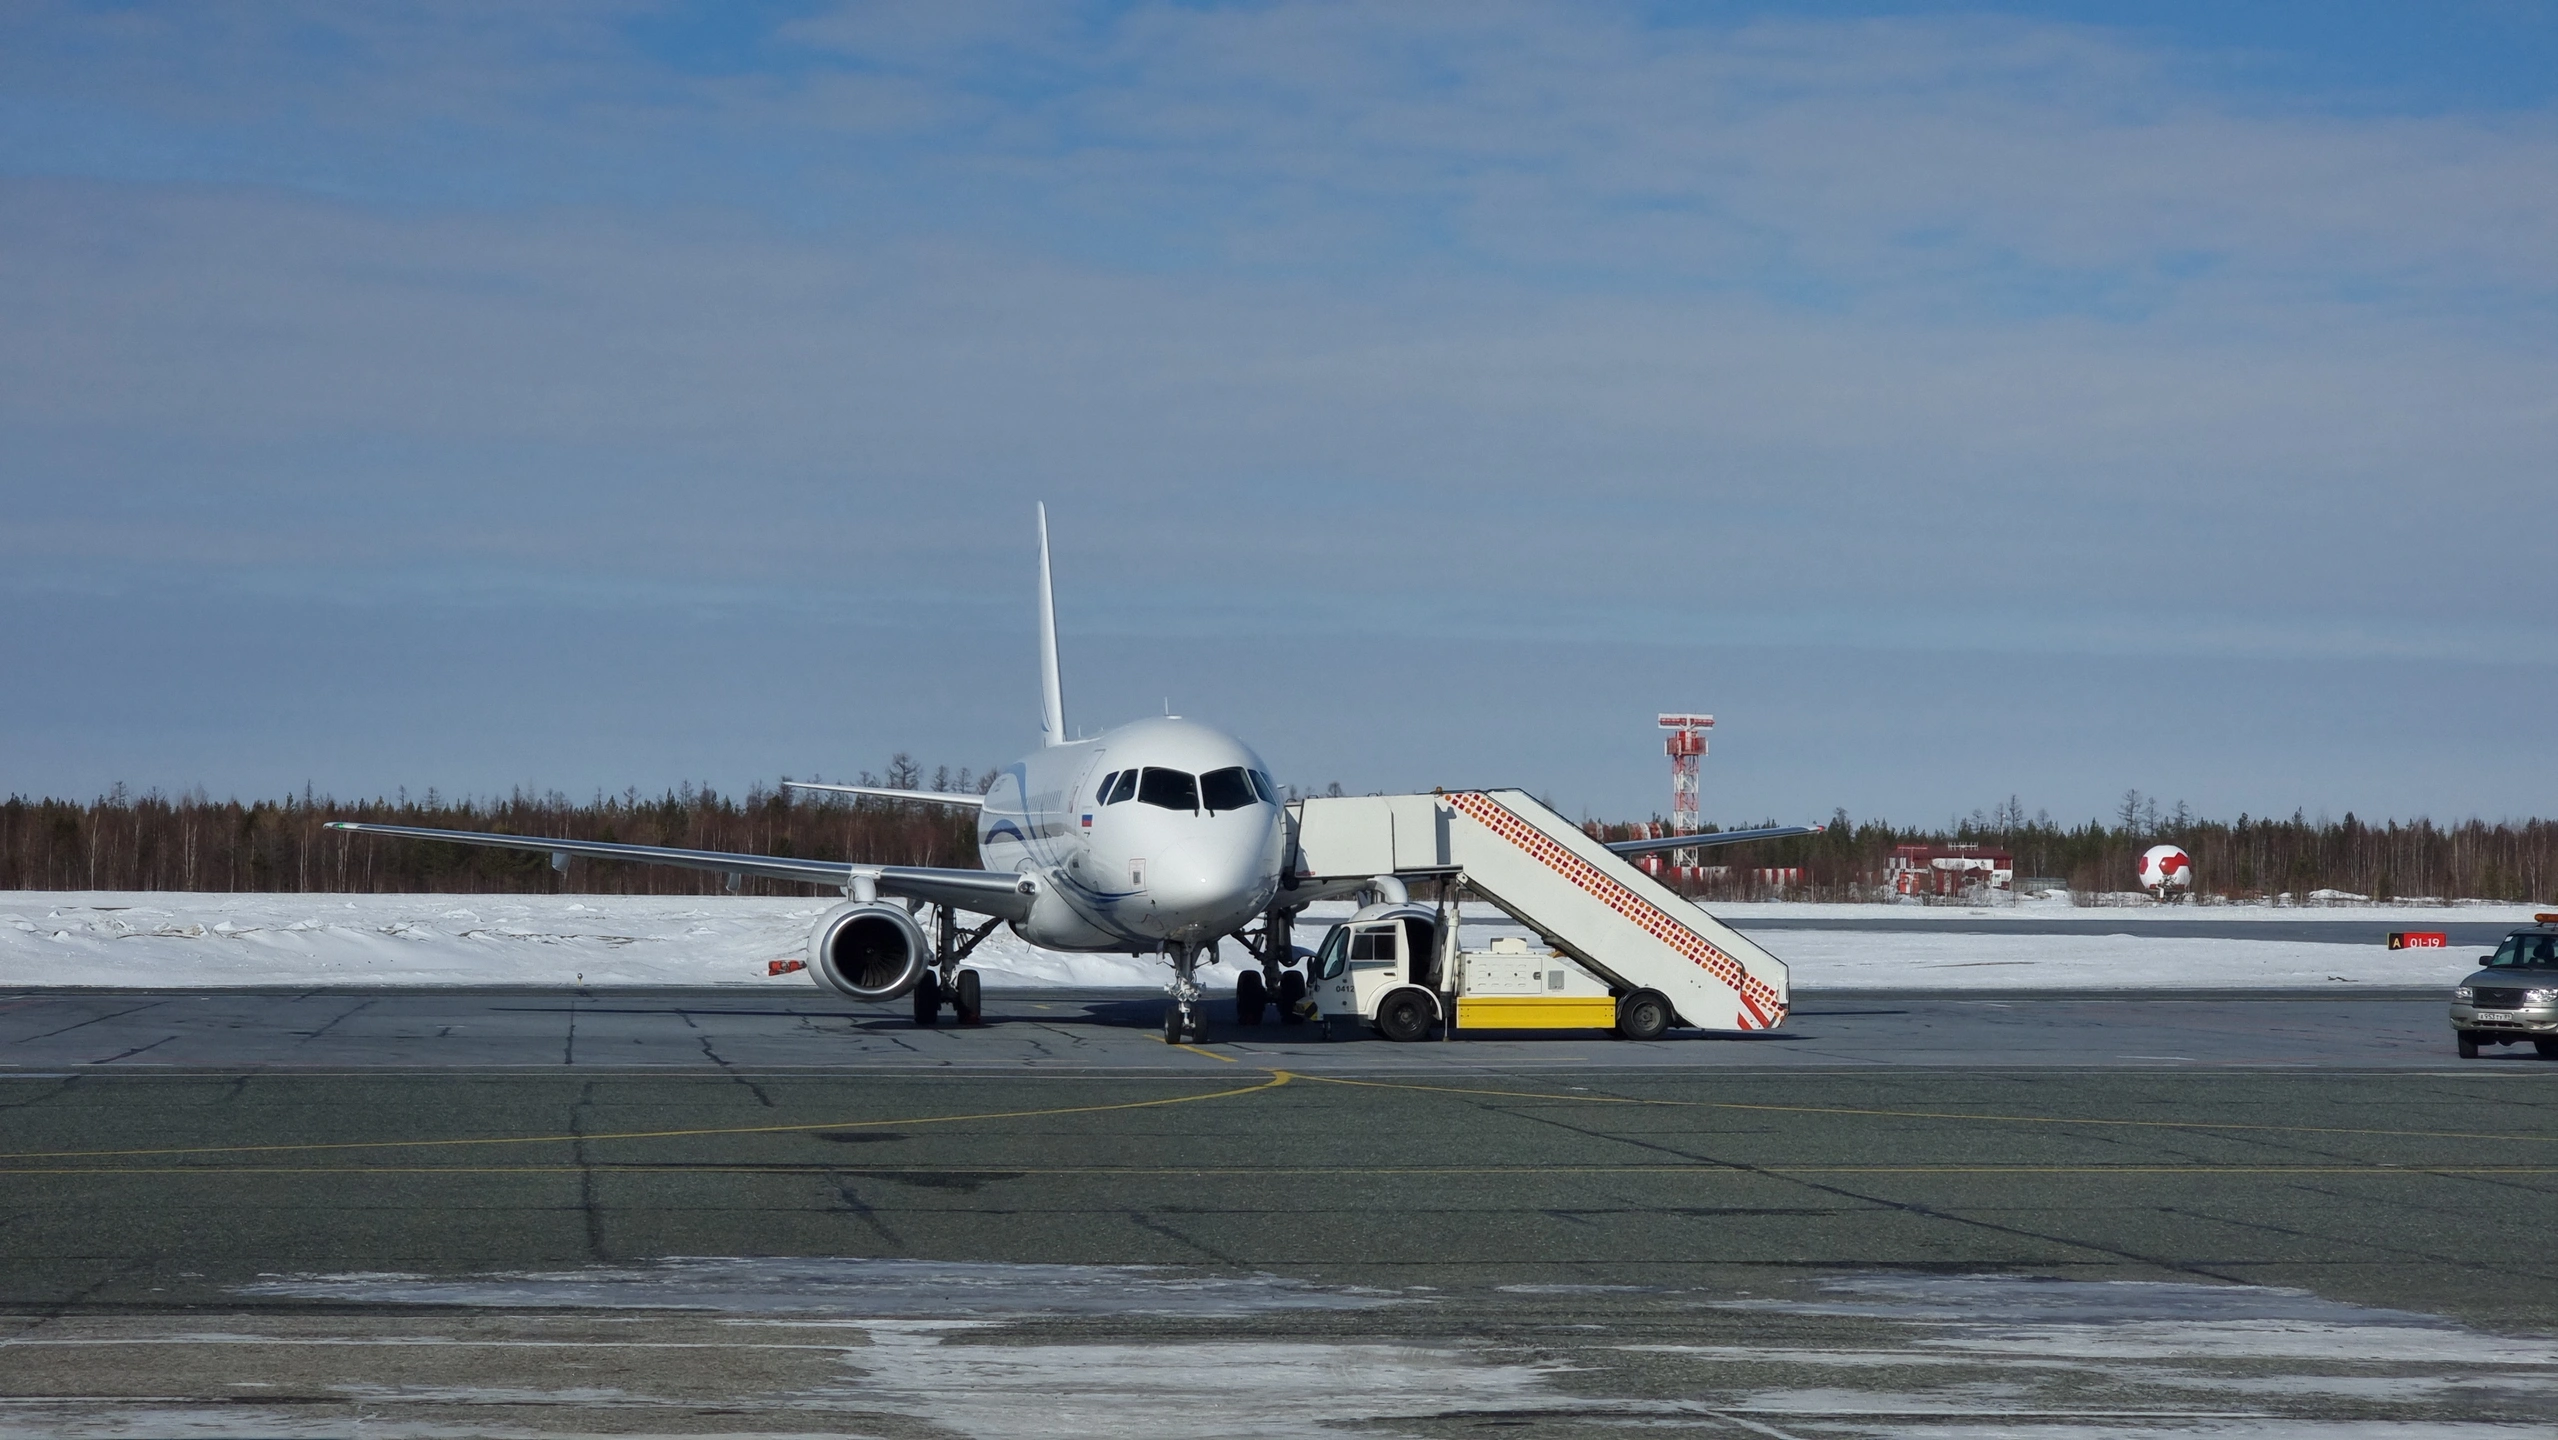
(2130, 908)
(2155, 957)
(163, 940)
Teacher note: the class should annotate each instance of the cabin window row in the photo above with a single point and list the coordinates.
(1233, 788)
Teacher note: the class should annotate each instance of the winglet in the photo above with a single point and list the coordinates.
(1052, 698)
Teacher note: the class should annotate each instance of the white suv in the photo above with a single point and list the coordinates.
(2515, 997)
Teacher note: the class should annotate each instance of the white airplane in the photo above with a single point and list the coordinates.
(1159, 837)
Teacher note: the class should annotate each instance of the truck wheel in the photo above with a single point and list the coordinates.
(1292, 998)
(2547, 1045)
(1643, 1015)
(1405, 1014)
(1250, 996)
(928, 1000)
(2468, 1045)
(964, 999)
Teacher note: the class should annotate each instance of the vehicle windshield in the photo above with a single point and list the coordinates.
(1262, 783)
(1101, 796)
(1171, 789)
(2527, 952)
(1126, 788)
(1328, 960)
(1227, 789)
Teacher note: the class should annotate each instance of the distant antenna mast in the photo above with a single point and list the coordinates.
(1687, 747)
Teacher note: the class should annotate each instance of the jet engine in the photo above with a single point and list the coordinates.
(868, 951)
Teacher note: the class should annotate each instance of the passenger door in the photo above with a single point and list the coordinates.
(1328, 975)
(1375, 961)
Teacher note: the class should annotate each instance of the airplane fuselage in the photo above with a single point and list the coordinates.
(1161, 832)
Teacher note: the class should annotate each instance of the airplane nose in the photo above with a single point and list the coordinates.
(1218, 871)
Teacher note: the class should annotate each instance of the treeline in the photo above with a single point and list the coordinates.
(2249, 858)
(157, 842)
(122, 841)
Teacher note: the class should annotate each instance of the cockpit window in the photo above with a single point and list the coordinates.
(1171, 789)
(2529, 952)
(1125, 789)
(1262, 783)
(1101, 796)
(1227, 789)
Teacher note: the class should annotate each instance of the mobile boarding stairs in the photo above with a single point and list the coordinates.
(1592, 905)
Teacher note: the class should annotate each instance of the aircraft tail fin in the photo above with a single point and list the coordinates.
(1052, 698)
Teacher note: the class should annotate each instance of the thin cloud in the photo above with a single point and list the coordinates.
(1483, 320)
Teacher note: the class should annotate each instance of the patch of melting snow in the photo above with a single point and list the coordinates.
(2256, 1346)
(2128, 1319)
(491, 1394)
(884, 1289)
(1207, 1388)
(76, 1420)
(2019, 1356)
(2215, 1427)
(930, 1353)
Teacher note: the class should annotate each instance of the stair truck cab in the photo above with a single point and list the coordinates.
(1381, 969)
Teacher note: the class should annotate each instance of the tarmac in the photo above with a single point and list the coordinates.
(655, 1212)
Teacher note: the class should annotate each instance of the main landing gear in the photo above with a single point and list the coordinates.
(961, 995)
(944, 983)
(1277, 981)
(1255, 993)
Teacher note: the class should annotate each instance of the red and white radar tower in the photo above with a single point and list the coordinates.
(1687, 747)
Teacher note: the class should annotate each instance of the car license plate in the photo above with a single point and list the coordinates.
(2495, 1015)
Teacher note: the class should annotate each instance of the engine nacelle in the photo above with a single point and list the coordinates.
(868, 951)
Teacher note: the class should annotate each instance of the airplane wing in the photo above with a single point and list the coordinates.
(929, 797)
(1710, 837)
(985, 892)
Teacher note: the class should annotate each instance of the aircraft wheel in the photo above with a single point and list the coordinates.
(964, 997)
(1406, 1014)
(1250, 996)
(1643, 1015)
(1292, 998)
(1172, 1025)
(928, 999)
(2468, 1045)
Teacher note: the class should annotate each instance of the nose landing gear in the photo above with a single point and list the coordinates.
(1184, 1019)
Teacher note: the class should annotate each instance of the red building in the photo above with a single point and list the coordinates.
(1948, 869)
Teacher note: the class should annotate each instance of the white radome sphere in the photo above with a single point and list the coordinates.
(2165, 868)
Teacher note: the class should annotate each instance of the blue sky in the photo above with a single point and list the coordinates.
(1960, 401)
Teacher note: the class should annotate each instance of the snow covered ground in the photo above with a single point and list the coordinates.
(2147, 957)
(164, 940)
(2132, 910)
